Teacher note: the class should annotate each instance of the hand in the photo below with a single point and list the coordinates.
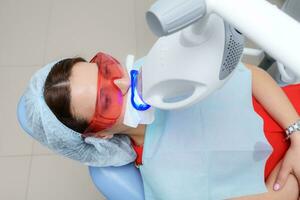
(290, 165)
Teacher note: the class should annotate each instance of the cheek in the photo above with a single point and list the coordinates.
(121, 118)
(118, 127)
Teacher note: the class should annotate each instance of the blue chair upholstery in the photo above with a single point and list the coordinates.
(115, 183)
(118, 183)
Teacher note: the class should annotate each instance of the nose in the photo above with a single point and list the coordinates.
(123, 84)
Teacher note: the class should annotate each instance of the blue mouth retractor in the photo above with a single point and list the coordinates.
(136, 99)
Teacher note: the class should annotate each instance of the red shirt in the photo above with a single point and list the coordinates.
(139, 153)
(273, 132)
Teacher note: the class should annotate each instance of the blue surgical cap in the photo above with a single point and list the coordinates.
(49, 131)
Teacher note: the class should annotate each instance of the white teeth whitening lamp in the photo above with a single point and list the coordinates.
(190, 62)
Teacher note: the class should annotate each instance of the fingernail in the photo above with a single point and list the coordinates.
(276, 187)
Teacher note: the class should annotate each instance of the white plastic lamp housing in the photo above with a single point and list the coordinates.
(265, 24)
(179, 70)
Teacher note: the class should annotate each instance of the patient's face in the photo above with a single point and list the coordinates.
(83, 82)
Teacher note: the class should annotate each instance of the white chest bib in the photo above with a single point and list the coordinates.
(213, 150)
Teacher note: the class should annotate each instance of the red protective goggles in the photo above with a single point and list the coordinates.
(109, 96)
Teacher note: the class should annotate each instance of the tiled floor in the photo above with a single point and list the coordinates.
(35, 32)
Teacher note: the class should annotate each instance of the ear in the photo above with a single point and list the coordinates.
(108, 137)
(104, 135)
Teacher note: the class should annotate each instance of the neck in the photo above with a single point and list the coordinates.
(137, 134)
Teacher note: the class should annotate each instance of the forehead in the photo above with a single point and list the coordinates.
(83, 85)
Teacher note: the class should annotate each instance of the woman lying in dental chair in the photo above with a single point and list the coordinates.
(76, 108)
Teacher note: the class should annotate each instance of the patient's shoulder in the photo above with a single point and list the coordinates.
(250, 66)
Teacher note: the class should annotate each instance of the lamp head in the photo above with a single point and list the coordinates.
(168, 16)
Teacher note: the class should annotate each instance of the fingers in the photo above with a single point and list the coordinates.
(297, 175)
(282, 176)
